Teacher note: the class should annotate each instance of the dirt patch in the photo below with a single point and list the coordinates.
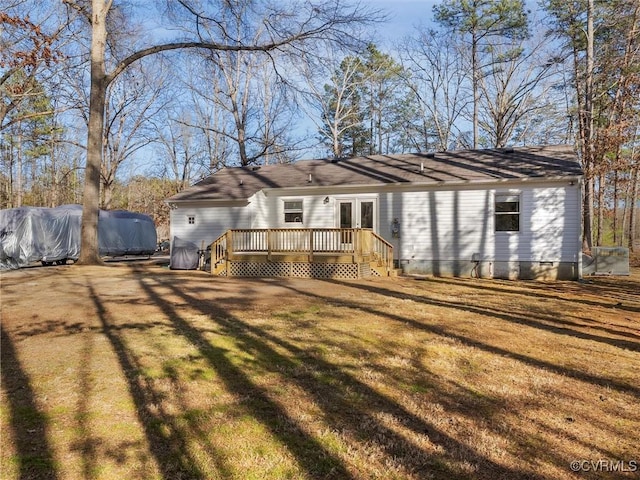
(141, 372)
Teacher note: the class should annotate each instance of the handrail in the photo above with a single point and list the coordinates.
(219, 250)
(384, 249)
(294, 240)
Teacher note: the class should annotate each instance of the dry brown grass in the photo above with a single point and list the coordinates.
(137, 372)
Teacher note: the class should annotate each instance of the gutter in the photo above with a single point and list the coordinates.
(173, 204)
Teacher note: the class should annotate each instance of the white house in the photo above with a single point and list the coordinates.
(502, 213)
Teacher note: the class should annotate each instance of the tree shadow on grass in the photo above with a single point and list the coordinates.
(541, 293)
(28, 424)
(536, 318)
(87, 443)
(487, 405)
(348, 405)
(617, 290)
(311, 455)
(438, 330)
(167, 441)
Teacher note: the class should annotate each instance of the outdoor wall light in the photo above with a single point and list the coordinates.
(326, 200)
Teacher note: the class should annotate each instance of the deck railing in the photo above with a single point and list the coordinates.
(382, 251)
(361, 243)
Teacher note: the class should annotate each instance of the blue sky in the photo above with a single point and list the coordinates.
(404, 16)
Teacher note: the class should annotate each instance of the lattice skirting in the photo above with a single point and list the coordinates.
(293, 269)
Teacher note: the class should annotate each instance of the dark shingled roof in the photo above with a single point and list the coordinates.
(461, 166)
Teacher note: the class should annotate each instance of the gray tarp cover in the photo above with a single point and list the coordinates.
(33, 234)
(184, 255)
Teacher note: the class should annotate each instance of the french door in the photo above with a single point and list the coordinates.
(357, 213)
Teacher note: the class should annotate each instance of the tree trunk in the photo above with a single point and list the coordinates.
(632, 213)
(588, 147)
(337, 147)
(19, 173)
(614, 220)
(107, 195)
(587, 214)
(476, 94)
(54, 194)
(625, 209)
(90, 254)
(601, 209)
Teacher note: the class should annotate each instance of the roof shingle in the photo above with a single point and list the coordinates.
(461, 166)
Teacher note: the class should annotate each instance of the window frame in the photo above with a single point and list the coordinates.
(191, 219)
(293, 210)
(500, 224)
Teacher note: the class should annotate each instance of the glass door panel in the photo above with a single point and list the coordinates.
(346, 216)
(346, 220)
(366, 214)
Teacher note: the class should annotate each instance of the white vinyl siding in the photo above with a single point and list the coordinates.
(316, 213)
(210, 222)
(459, 225)
(260, 207)
(438, 224)
(550, 226)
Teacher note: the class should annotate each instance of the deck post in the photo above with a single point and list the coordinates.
(311, 245)
(269, 238)
(357, 245)
(229, 252)
(366, 248)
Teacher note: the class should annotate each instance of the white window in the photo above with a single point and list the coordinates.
(507, 212)
(191, 219)
(293, 211)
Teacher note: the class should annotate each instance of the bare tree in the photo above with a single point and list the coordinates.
(515, 90)
(296, 25)
(251, 98)
(251, 95)
(181, 152)
(190, 130)
(482, 24)
(278, 114)
(335, 107)
(133, 100)
(438, 81)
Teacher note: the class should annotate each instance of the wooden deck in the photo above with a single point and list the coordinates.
(314, 252)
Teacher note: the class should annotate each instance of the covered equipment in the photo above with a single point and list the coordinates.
(52, 235)
(184, 255)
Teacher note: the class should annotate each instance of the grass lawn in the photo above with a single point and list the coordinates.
(138, 372)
